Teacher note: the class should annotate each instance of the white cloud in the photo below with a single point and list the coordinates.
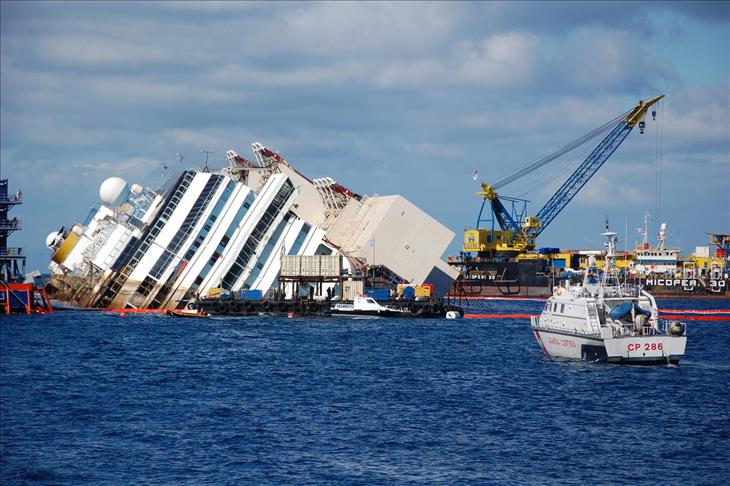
(93, 50)
(341, 28)
(51, 130)
(134, 169)
(697, 117)
(315, 74)
(501, 60)
(599, 58)
(418, 73)
(191, 141)
(612, 189)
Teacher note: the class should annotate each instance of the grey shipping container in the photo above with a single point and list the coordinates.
(290, 266)
(351, 288)
(330, 265)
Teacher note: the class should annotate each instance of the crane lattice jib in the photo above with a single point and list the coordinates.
(581, 176)
(590, 166)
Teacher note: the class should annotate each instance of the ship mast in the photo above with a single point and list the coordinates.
(645, 232)
(608, 269)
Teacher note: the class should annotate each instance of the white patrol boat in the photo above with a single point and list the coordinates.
(599, 319)
(365, 306)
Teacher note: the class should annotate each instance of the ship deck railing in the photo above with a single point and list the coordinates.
(11, 199)
(629, 330)
(12, 224)
(535, 324)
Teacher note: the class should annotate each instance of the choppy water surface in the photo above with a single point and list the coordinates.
(88, 398)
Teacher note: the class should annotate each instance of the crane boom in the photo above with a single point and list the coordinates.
(590, 165)
(581, 176)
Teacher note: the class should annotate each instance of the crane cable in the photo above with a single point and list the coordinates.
(658, 166)
(558, 171)
(560, 152)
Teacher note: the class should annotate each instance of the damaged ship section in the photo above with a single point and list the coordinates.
(202, 231)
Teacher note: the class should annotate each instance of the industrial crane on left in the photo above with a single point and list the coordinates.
(16, 296)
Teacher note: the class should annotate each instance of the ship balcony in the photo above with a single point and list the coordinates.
(12, 199)
(10, 224)
(11, 253)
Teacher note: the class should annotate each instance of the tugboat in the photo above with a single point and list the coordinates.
(599, 319)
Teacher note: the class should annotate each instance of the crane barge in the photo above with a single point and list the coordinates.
(498, 256)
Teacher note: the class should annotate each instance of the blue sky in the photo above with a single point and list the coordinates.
(387, 98)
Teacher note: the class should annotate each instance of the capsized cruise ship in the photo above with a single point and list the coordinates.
(230, 229)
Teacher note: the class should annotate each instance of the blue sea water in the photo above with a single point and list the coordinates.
(91, 398)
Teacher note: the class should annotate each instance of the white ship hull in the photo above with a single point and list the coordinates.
(562, 345)
(646, 349)
(626, 350)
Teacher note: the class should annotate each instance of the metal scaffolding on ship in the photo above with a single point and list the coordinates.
(15, 294)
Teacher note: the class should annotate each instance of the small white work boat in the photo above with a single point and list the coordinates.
(364, 306)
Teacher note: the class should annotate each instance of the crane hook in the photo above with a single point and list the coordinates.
(642, 125)
(653, 115)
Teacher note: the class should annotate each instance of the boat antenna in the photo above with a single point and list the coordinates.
(610, 251)
(207, 154)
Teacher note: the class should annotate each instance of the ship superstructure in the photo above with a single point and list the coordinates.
(657, 260)
(229, 229)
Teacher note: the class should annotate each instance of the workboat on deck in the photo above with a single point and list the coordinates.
(601, 319)
(190, 311)
(364, 306)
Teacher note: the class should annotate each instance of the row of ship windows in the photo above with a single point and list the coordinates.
(203, 233)
(258, 232)
(556, 308)
(266, 251)
(247, 252)
(118, 281)
(232, 227)
(160, 223)
(190, 221)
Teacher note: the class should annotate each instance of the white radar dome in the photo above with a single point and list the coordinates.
(51, 238)
(114, 191)
(137, 188)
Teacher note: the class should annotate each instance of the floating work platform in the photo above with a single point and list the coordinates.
(241, 307)
(24, 298)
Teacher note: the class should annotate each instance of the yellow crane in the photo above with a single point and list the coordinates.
(517, 232)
